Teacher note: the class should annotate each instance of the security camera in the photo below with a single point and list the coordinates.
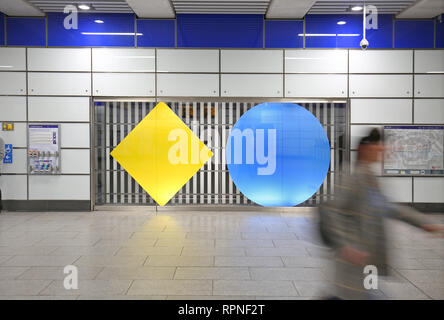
(364, 44)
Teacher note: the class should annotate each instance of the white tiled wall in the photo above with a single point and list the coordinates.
(429, 111)
(251, 85)
(12, 108)
(59, 84)
(252, 61)
(429, 189)
(397, 189)
(18, 137)
(75, 135)
(14, 187)
(429, 86)
(18, 164)
(429, 61)
(315, 85)
(123, 60)
(12, 59)
(381, 86)
(75, 161)
(182, 60)
(381, 61)
(64, 187)
(58, 109)
(12, 83)
(58, 59)
(186, 85)
(316, 61)
(124, 84)
(381, 110)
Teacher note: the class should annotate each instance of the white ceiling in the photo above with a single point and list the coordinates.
(383, 6)
(106, 6)
(277, 9)
(424, 9)
(19, 8)
(152, 8)
(221, 6)
(280, 9)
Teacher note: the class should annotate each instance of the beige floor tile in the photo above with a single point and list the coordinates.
(40, 261)
(89, 287)
(5, 258)
(114, 261)
(27, 251)
(248, 262)
(159, 235)
(186, 297)
(180, 261)
(254, 288)
(213, 273)
(306, 262)
(269, 235)
(11, 273)
(22, 287)
(277, 252)
(185, 242)
(401, 290)
(151, 251)
(214, 235)
(136, 273)
(86, 251)
(307, 274)
(313, 288)
(38, 298)
(56, 273)
(244, 243)
(120, 297)
(218, 251)
(171, 287)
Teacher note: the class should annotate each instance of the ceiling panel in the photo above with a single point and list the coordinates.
(424, 9)
(338, 7)
(19, 8)
(289, 9)
(221, 6)
(103, 6)
(152, 8)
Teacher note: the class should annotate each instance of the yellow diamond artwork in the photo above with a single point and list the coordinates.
(161, 153)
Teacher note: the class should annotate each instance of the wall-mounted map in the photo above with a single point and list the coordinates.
(414, 150)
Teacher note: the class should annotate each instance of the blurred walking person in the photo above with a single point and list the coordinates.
(353, 223)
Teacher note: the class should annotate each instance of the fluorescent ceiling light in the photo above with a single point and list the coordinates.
(341, 23)
(84, 7)
(329, 34)
(356, 8)
(111, 34)
(98, 21)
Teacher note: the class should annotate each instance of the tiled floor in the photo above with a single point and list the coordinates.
(194, 255)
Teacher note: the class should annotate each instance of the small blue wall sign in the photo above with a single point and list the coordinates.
(8, 154)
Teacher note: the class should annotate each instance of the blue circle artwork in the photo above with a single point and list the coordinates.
(278, 154)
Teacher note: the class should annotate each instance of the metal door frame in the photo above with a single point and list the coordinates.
(190, 207)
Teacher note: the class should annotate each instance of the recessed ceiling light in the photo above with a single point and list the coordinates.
(356, 8)
(341, 23)
(98, 21)
(84, 7)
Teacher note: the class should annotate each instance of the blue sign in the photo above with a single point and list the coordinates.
(8, 153)
(278, 154)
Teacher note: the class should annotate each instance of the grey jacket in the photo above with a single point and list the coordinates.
(356, 216)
